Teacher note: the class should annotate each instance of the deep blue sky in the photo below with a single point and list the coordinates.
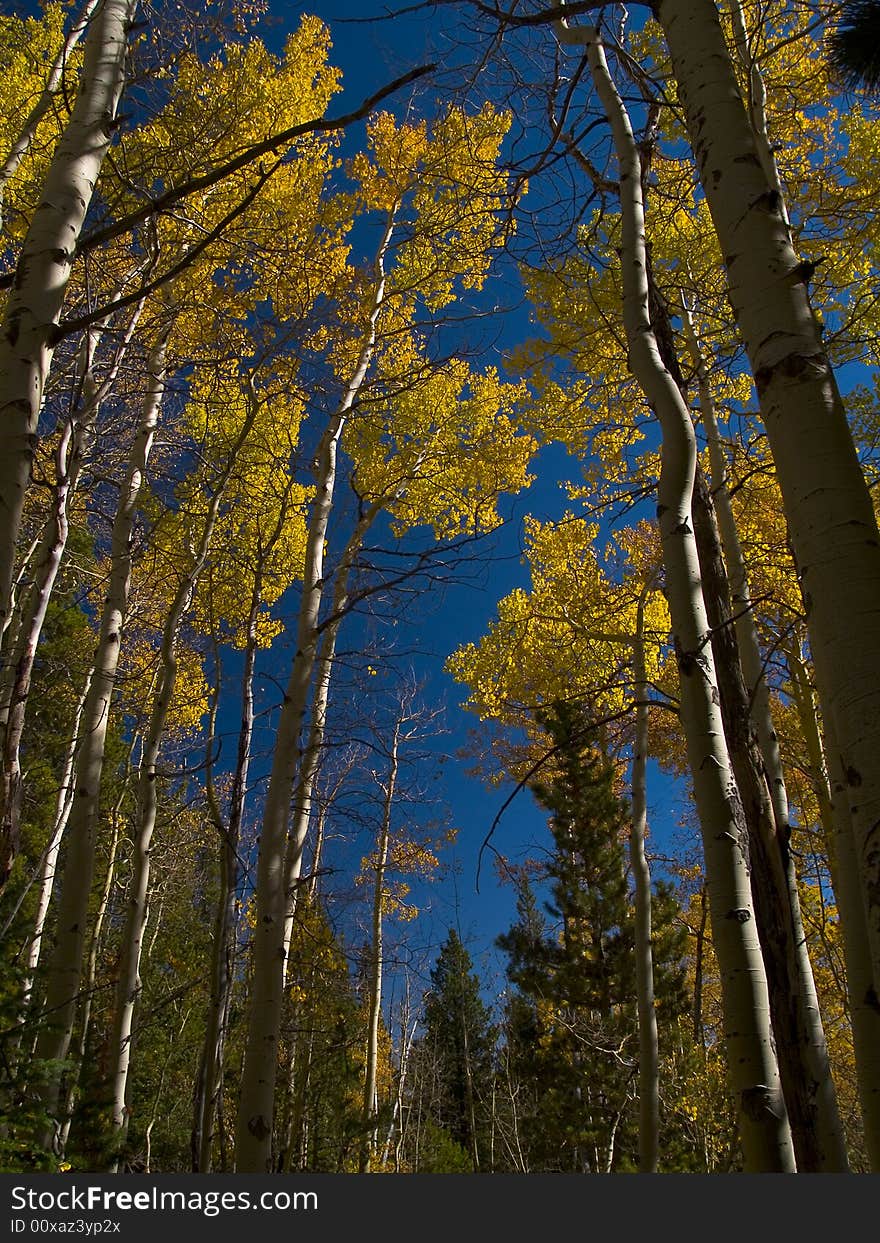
(369, 55)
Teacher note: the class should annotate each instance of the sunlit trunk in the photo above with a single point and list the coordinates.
(257, 1101)
(754, 1074)
(45, 261)
(65, 968)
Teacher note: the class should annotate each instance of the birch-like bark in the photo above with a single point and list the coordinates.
(807, 1084)
(63, 804)
(128, 984)
(764, 1130)
(223, 951)
(45, 260)
(368, 1148)
(864, 1011)
(649, 1055)
(15, 678)
(830, 515)
(256, 1106)
(756, 103)
(21, 145)
(311, 755)
(91, 972)
(65, 969)
(808, 1087)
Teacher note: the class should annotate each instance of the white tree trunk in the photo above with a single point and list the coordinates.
(764, 1130)
(369, 1145)
(311, 755)
(809, 1090)
(65, 970)
(253, 1147)
(128, 984)
(20, 146)
(863, 1009)
(210, 1078)
(44, 264)
(831, 519)
(27, 627)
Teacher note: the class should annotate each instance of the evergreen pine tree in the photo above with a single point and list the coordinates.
(571, 1025)
(459, 1039)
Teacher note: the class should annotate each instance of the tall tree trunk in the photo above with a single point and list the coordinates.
(831, 518)
(49, 865)
(807, 1084)
(25, 137)
(210, 1077)
(128, 985)
(25, 632)
(864, 1010)
(311, 754)
(649, 1057)
(257, 1101)
(91, 971)
(764, 1129)
(65, 968)
(45, 261)
(808, 1087)
(374, 1009)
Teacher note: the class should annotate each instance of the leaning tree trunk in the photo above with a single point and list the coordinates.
(253, 1145)
(45, 261)
(209, 1084)
(807, 1085)
(65, 969)
(311, 754)
(764, 1129)
(830, 515)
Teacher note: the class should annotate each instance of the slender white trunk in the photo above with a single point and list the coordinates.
(223, 948)
(864, 1011)
(809, 1090)
(257, 1102)
(45, 261)
(68, 1105)
(311, 755)
(764, 1130)
(128, 984)
(649, 1056)
(830, 515)
(377, 956)
(65, 969)
(21, 144)
(28, 626)
(756, 103)
(49, 867)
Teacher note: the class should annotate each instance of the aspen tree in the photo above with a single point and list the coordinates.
(429, 244)
(210, 1076)
(377, 951)
(831, 519)
(27, 131)
(649, 1056)
(43, 270)
(147, 792)
(764, 1129)
(797, 1023)
(65, 968)
(26, 622)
